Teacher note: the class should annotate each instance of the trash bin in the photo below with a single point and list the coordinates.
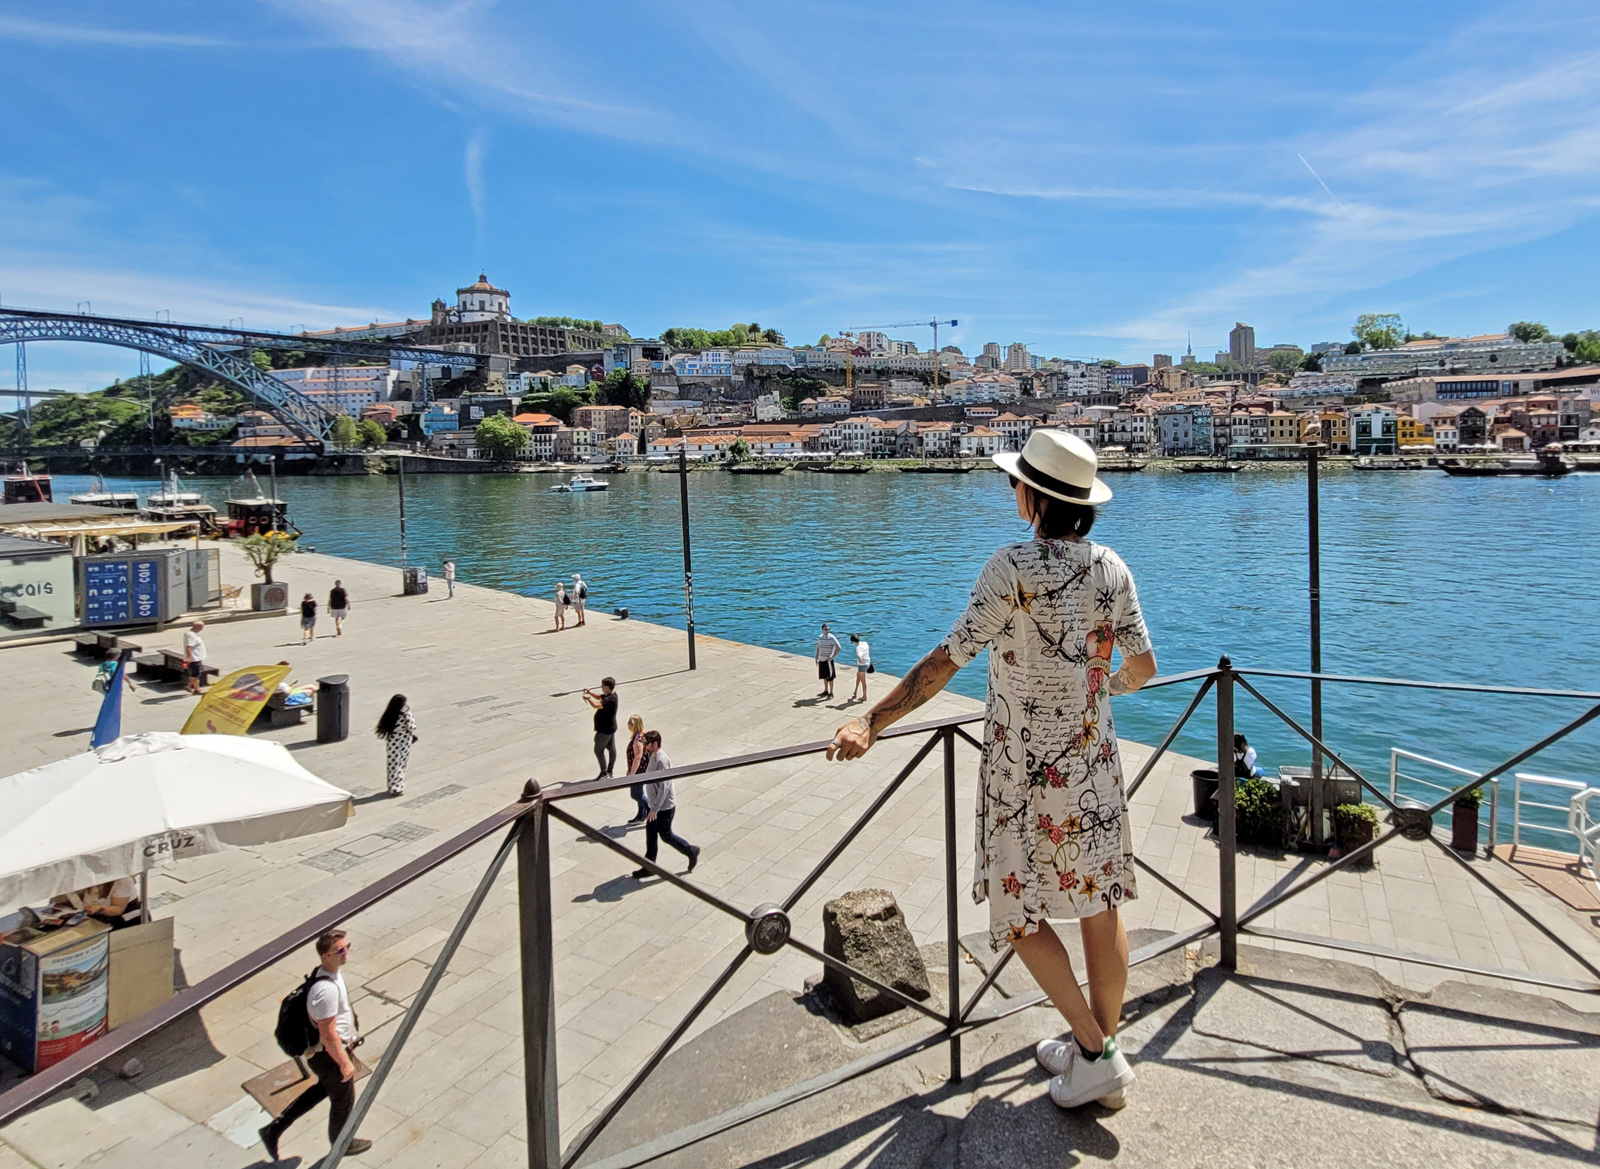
(415, 580)
(1205, 782)
(333, 708)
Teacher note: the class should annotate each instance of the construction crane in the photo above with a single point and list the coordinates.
(934, 325)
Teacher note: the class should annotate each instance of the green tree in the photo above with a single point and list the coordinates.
(1528, 331)
(1584, 346)
(1378, 330)
(1110, 362)
(1311, 363)
(559, 402)
(738, 451)
(499, 437)
(372, 433)
(772, 337)
(343, 432)
(1284, 362)
(790, 404)
(264, 549)
(259, 358)
(623, 387)
(221, 400)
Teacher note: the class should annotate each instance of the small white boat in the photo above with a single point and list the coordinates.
(98, 496)
(582, 483)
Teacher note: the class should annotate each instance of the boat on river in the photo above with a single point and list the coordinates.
(939, 468)
(251, 511)
(1544, 464)
(1123, 464)
(1392, 463)
(844, 469)
(23, 486)
(582, 483)
(1211, 467)
(98, 496)
(757, 468)
(173, 505)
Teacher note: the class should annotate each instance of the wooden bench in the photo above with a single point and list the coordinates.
(87, 644)
(275, 714)
(111, 645)
(22, 616)
(153, 666)
(173, 663)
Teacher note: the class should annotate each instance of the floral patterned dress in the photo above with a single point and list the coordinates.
(1053, 839)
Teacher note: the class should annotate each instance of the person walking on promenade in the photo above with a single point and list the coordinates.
(863, 667)
(580, 595)
(637, 758)
(194, 657)
(338, 606)
(328, 1004)
(828, 648)
(1053, 838)
(605, 725)
(450, 578)
(662, 808)
(561, 605)
(308, 618)
(398, 730)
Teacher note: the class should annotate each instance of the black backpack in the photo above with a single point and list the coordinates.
(296, 1033)
(583, 591)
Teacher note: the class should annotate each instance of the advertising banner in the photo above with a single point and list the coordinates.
(233, 702)
(53, 992)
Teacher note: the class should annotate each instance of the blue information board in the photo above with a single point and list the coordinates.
(117, 592)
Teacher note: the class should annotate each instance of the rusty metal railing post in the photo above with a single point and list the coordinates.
(1227, 892)
(952, 931)
(538, 986)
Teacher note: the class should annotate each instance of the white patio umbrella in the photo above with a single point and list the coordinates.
(148, 800)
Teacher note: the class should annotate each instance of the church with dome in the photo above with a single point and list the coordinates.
(481, 317)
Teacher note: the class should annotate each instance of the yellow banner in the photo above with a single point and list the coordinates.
(232, 703)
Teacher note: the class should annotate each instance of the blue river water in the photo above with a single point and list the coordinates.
(1487, 581)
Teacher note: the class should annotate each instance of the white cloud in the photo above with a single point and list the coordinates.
(472, 168)
(39, 32)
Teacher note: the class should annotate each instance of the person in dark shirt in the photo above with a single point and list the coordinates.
(605, 725)
(338, 606)
(308, 619)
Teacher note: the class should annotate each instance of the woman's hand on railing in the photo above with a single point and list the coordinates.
(852, 740)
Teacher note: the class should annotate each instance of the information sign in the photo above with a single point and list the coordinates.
(117, 592)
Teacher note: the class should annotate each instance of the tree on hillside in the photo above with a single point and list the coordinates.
(1284, 362)
(1378, 330)
(372, 433)
(343, 432)
(1353, 347)
(1528, 331)
(623, 387)
(559, 402)
(499, 437)
(1109, 362)
(1311, 363)
(1584, 346)
(260, 360)
(221, 400)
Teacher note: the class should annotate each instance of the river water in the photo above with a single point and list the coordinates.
(1487, 581)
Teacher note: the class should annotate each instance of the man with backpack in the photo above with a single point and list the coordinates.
(580, 595)
(316, 1017)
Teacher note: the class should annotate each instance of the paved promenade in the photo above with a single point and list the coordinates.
(496, 696)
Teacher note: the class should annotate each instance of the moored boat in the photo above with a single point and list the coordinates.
(173, 505)
(757, 468)
(98, 496)
(252, 511)
(1211, 467)
(582, 483)
(23, 486)
(1544, 465)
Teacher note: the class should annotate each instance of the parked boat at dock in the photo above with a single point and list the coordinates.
(939, 469)
(1209, 467)
(23, 486)
(98, 496)
(1544, 465)
(173, 505)
(757, 468)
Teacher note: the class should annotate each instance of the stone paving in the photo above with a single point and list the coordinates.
(496, 695)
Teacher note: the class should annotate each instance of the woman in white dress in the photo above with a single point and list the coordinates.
(1053, 838)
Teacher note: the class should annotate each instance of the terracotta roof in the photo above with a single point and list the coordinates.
(483, 285)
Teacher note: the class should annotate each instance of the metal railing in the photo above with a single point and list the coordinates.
(1583, 824)
(1396, 754)
(1538, 782)
(768, 928)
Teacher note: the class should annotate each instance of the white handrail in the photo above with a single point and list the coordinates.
(1395, 775)
(1567, 785)
(1587, 829)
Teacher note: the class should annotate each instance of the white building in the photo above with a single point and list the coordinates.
(1490, 353)
(483, 302)
(341, 389)
(1082, 379)
(769, 407)
(1017, 358)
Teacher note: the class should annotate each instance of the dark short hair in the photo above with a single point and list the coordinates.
(1240, 741)
(609, 683)
(328, 939)
(855, 637)
(1056, 518)
(652, 736)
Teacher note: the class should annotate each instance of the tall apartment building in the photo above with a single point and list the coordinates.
(1242, 345)
(1017, 358)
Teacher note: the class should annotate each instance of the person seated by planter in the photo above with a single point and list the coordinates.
(1244, 759)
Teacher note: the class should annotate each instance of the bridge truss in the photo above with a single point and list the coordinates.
(222, 353)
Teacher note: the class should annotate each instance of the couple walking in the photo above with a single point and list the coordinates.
(575, 600)
(829, 649)
(654, 802)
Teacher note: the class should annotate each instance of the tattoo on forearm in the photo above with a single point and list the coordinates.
(926, 679)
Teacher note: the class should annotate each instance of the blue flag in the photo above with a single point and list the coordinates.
(108, 727)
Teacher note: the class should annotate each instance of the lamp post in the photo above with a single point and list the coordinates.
(688, 569)
(1314, 558)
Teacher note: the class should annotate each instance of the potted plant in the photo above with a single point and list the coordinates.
(263, 551)
(1258, 812)
(1354, 825)
(1464, 821)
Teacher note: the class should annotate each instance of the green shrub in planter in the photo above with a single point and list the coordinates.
(1354, 824)
(1259, 812)
(1470, 799)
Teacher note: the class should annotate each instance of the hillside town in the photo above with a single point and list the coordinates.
(867, 395)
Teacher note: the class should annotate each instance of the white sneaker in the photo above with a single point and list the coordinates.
(1081, 1081)
(1054, 1055)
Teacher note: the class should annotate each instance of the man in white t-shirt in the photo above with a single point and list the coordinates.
(328, 1004)
(194, 657)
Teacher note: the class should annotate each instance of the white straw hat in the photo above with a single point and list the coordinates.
(1058, 464)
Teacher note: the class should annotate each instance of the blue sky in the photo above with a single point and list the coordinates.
(1094, 180)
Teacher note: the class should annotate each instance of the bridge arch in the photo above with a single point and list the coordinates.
(188, 346)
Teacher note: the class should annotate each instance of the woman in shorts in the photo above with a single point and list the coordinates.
(308, 618)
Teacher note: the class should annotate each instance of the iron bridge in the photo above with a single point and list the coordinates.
(222, 353)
